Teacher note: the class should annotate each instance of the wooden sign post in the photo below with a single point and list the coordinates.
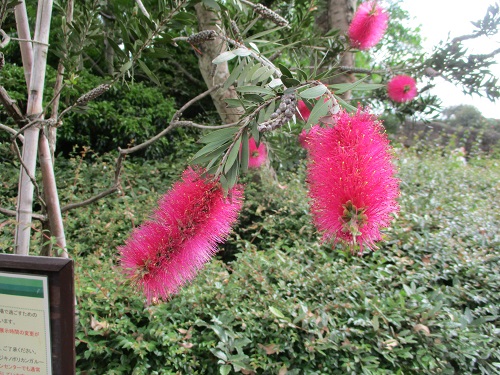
(37, 315)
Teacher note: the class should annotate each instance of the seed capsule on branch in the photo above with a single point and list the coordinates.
(268, 14)
(202, 36)
(92, 94)
(282, 115)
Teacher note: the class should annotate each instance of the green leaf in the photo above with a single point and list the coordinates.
(313, 92)
(255, 89)
(232, 174)
(346, 105)
(290, 82)
(259, 72)
(221, 134)
(284, 70)
(361, 86)
(258, 35)
(119, 52)
(233, 155)
(126, 66)
(276, 312)
(320, 109)
(343, 87)
(219, 354)
(234, 75)
(223, 57)
(244, 156)
(234, 103)
(225, 369)
(148, 72)
(242, 52)
(255, 132)
(244, 73)
(264, 77)
(209, 153)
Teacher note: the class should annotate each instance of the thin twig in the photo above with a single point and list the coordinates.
(31, 177)
(199, 126)
(353, 69)
(177, 115)
(8, 212)
(30, 41)
(12, 131)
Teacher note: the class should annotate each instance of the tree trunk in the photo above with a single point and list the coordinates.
(215, 74)
(338, 15)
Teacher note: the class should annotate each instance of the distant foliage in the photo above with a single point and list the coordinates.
(124, 116)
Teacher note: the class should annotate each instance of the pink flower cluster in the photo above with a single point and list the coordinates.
(351, 180)
(257, 155)
(368, 25)
(402, 88)
(182, 235)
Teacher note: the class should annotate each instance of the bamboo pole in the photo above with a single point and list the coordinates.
(31, 135)
(23, 32)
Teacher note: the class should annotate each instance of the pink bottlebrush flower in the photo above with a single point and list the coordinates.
(305, 136)
(402, 88)
(303, 110)
(257, 155)
(368, 25)
(351, 180)
(182, 235)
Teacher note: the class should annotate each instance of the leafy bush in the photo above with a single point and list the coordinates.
(124, 116)
(426, 302)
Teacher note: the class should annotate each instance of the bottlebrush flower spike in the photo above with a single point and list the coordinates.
(182, 235)
(368, 25)
(402, 88)
(304, 111)
(257, 155)
(305, 136)
(351, 180)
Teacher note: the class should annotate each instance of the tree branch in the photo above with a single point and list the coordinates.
(11, 107)
(86, 202)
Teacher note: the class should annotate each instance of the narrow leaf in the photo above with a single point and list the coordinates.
(223, 57)
(148, 72)
(242, 52)
(234, 75)
(244, 152)
(313, 92)
(233, 155)
(221, 134)
(320, 109)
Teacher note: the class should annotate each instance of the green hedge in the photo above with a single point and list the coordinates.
(425, 302)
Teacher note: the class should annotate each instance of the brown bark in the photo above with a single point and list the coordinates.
(215, 74)
(338, 15)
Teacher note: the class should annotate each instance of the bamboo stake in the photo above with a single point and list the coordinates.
(25, 194)
(23, 31)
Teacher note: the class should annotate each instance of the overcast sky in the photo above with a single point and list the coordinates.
(439, 18)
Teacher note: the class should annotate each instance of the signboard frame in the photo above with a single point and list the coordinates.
(60, 276)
